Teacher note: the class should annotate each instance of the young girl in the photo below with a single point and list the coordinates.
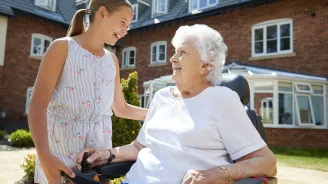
(77, 87)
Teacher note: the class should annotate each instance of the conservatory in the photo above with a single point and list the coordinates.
(282, 99)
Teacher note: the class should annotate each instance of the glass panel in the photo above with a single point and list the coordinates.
(317, 89)
(285, 44)
(194, 4)
(202, 4)
(161, 5)
(162, 49)
(272, 46)
(317, 104)
(285, 86)
(131, 57)
(263, 105)
(285, 30)
(272, 32)
(125, 58)
(154, 53)
(303, 87)
(142, 101)
(162, 56)
(258, 34)
(263, 85)
(258, 47)
(134, 12)
(285, 109)
(46, 45)
(37, 46)
(304, 109)
(212, 2)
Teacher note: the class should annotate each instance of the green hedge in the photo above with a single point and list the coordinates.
(124, 130)
(2, 134)
(21, 138)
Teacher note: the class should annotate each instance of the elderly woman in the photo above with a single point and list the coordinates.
(196, 132)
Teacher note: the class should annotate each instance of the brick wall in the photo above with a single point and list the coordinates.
(310, 34)
(297, 137)
(19, 71)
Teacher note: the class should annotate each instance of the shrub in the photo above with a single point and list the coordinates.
(2, 134)
(29, 167)
(21, 138)
(124, 130)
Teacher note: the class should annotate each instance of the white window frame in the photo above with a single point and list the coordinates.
(43, 38)
(264, 26)
(28, 98)
(128, 49)
(46, 4)
(293, 103)
(135, 7)
(155, 8)
(298, 111)
(323, 107)
(267, 100)
(198, 4)
(303, 91)
(157, 44)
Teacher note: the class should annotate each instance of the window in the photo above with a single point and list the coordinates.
(201, 4)
(39, 44)
(28, 98)
(267, 110)
(47, 4)
(143, 100)
(129, 57)
(135, 12)
(272, 37)
(160, 7)
(158, 52)
(318, 104)
(285, 103)
(303, 88)
(309, 102)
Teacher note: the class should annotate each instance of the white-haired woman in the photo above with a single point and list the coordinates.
(195, 131)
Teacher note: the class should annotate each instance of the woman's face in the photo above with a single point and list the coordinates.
(186, 64)
(114, 25)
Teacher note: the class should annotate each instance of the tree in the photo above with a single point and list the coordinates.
(124, 130)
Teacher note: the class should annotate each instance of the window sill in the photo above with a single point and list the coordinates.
(271, 56)
(294, 126)
(157, 64)
(128, 68)
(35, 57)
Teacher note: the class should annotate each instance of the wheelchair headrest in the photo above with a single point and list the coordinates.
(238, 84)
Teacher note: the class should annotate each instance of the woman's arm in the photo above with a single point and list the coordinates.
(120, 107)
(258, 163)
(122, 153)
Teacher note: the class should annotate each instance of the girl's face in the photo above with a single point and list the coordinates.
(114, 25)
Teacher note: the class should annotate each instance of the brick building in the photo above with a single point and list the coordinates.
(26, 30)
(280, 46)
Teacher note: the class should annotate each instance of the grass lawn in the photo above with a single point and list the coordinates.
(316, 159)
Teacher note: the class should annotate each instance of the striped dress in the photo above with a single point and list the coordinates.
(79, 113)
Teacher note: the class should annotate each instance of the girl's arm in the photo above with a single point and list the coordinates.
(50, 69)
(120, 107)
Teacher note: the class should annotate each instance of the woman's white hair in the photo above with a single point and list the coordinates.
(209, 44)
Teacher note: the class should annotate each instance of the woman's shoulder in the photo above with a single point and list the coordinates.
(223, 93)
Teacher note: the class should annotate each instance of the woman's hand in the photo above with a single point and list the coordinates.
(96, 157)
(211, 176)
(53, 168)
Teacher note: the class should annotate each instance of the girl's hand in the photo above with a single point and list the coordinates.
(53, 167)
